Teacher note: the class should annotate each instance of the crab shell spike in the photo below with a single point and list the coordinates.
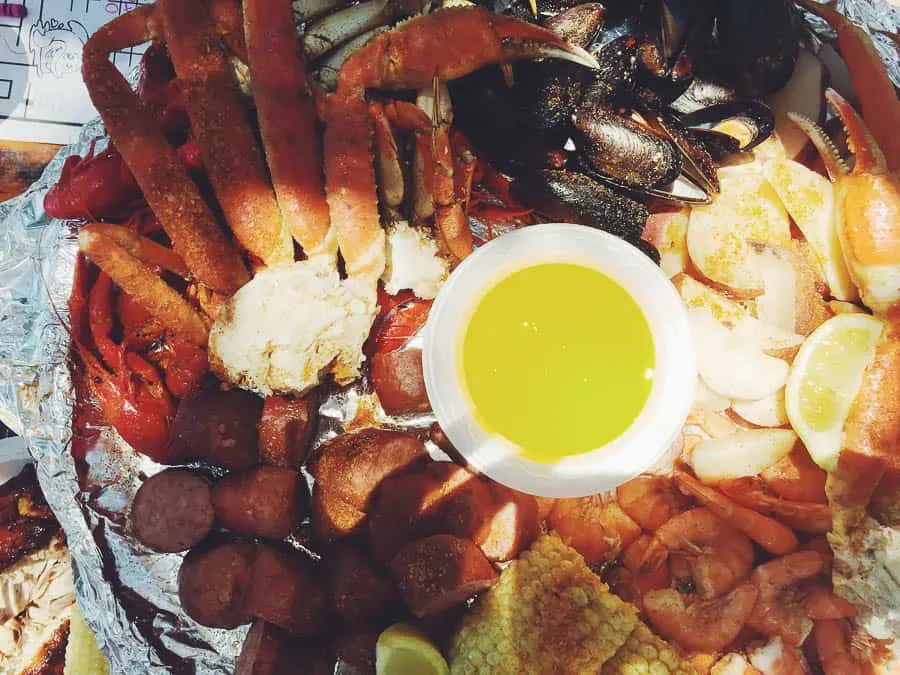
(834, 163)
(449, 44)
(869, 157)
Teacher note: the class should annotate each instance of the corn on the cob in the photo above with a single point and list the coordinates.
(645, 654)
(548, 614)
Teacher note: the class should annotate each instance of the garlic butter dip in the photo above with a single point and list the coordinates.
(558, 358)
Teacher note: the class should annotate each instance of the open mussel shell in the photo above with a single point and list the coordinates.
(625, 150)
(756, 117)
(578, 25)
(573, 197)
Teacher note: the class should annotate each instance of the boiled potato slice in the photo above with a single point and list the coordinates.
(765, 412)
(809, 198)
(706, 399)
(791, 300)
(724, 238)
(732, 364)
(744, 453)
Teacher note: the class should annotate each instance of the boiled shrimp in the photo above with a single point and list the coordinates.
(781, 607)
(595, 527)
(629, 580)
(770, 534)
(751, 492)
(651, 500)
(718, 556)
(796, 477)
(823, 604)
(835, 648)
(703, 625)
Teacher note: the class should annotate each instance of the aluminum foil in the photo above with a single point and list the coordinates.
(128, 594)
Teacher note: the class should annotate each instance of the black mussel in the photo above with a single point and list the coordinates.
(579, 25)
(614, 81)
(756, 116)
(719, 146)
(547, 92)
(646, 248)
(698, 163)
(702, 93)
(484, 110)
(759, 42)
(670, 30)
(624, 150)
(570, 196)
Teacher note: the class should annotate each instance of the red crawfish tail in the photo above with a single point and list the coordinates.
(569, 196)
(92, 187)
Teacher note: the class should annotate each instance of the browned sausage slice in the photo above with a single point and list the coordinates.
(263, 502)
(333, 517)
(172, 511)
(397, 511)
(351, 466)
(440, 571)
(213, 583)
(284, 591)
(267, 650)
(286, 429)
(399, 381)
(513, 525)
(218, 427)
(359, 592)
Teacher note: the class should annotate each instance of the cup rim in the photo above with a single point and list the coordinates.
(653, 431)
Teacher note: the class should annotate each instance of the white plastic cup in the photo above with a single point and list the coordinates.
(654, 430)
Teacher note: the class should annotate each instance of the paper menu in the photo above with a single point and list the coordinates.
(42, 96)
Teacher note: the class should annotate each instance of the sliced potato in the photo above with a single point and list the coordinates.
(809, 198)
(764, 412)
(697, 294)
(667, 231)
(744, 453)
(791, 301)
(706, 399)
(841, 307)
(724, 237)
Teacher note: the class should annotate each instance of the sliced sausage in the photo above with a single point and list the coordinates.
(395, 516)
(267, 650)
(218, 427)
(172, 511)
(213, 583)
(333, 517)
(513, 524)
(440, 571)
(286, 429)
(353, 464)
(265, 502)
(284, 591)
(399, 381)
(359, 591)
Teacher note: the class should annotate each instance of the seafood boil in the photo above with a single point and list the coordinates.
(254, 240)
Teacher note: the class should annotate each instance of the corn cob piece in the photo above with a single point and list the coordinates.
(547, 615)
(646, 654)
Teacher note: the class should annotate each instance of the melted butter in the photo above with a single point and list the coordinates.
(557, 358)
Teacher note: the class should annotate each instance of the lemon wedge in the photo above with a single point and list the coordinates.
(824, 380)
(405, 650)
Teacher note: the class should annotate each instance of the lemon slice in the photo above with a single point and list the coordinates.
(404, 650)
(824, 380)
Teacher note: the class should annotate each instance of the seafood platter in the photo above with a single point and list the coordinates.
(541, 338)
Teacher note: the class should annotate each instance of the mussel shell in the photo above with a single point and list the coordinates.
(624, 150)
(702, 93)
(570, 196)
(646, 248)
(578, 25)
(547, 92)
(756, 116)
(759, 43)
(614, 81)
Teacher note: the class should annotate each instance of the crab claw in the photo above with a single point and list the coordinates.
(449, 44)
(877, 96)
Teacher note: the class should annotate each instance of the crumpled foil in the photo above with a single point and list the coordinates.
(129, 595)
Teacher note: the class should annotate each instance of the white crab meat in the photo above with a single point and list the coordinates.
(413, 262)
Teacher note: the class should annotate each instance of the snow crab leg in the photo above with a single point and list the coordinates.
(445, 45)
(168, 189)
(287, 120)
(230, 153)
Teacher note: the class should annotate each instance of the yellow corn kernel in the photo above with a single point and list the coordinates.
(646, 654)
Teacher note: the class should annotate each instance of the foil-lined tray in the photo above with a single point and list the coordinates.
(128, 594)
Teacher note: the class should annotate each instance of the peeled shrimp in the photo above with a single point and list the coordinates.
(651, 500)
(595, 527)
(822, 603)
(781, 607)
(704, 625)
(834, 646)
(719, 556)
(770, 534)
